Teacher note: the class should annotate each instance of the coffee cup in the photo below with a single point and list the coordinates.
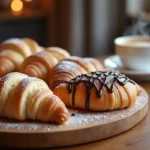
(134, 52)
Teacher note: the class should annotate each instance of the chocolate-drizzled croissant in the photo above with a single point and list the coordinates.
(14, 51)
(23, 97)
(69, 68)
(98, 91)
(40, 64)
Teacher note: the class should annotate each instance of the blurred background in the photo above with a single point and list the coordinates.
(83, 27)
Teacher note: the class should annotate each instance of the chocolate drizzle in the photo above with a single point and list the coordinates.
(98, 80)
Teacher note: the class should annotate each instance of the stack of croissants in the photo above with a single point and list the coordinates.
(33, 83)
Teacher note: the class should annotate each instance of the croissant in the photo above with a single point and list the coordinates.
(70, 67)
(33, 45)
(97, 65)
(58, 52)
(13, 52)
(98, 91)
(23, 97)
(41, 64)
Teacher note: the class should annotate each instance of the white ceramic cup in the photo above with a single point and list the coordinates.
(134, 52)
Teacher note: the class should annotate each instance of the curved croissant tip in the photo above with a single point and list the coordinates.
(63, 118)
(139, 90)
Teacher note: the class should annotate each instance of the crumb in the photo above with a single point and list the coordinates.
(73, 114)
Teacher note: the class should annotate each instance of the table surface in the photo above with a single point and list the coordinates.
(137, 138)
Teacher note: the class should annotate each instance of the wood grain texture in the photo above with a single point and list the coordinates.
(70, 135)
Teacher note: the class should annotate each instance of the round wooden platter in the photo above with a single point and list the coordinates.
(82, 127)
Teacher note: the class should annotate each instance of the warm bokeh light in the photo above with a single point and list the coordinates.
(17, 5)
(28, 0)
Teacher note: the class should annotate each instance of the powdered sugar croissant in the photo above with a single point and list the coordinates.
(14, 51)
(40, 64)
(23, 97)
(99, 91)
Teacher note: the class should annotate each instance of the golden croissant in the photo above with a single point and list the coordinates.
(14, 51)
(98, 91)
(23, 97)
(40, 64)
(58, 52)
(70, 67)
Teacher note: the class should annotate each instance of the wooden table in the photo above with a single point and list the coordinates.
(137, 138)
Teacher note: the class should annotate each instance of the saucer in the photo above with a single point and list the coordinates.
(114, 62)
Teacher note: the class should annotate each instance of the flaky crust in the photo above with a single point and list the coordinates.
(87, 65)
(58, 52)
(98, 91)
(13, 52)
(122, 97)
(23, 97)
(71, 67)
(40, 64)
(95, 62)
(17, 45)
(32, 44)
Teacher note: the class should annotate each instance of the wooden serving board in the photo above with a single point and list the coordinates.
(82, 127)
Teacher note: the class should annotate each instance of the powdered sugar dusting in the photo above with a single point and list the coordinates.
(77, 119)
